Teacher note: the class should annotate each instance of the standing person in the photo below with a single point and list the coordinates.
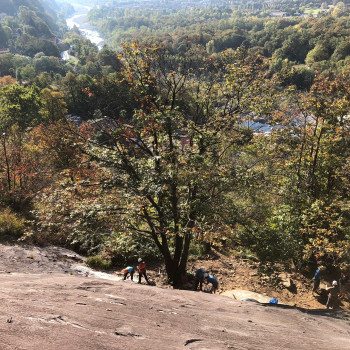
(142, 270)
(214, 282)
(316, 280)
(343, 280)
(128, 270)
(199, 278)
(332, 295)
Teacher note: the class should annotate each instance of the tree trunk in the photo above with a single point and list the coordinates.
(174, 271)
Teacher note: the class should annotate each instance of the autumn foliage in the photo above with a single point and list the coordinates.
(169, 155)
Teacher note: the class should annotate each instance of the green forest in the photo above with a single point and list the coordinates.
(197, 125)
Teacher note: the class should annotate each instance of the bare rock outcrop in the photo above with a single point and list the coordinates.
(66, 311)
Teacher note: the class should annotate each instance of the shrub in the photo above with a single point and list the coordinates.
(278, 240)
(196, 250)
(126, 247)
(98, 262)
(75, 215)
(11, 226)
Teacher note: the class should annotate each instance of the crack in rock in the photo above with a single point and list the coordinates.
(127, 334)
(58, 319)
(61, 320)
(116, 303)
(115, 297)
(189, 341)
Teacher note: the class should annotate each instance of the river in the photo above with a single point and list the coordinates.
(79, 19)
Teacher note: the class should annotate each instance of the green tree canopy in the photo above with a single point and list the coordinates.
(19, 106)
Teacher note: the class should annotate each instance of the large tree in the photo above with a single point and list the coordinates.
(173, 162)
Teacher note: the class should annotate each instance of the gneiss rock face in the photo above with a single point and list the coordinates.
(63, 311)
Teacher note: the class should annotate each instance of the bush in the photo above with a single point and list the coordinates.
(278, 240)
(81, 222)
(11, 226)
(98, 262)
(126, 247)
(196, 250)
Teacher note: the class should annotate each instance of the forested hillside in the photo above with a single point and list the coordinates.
(11, 7)
(28, 28)
(200, 125)
(299, 34)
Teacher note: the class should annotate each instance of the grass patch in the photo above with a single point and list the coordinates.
(312, 11)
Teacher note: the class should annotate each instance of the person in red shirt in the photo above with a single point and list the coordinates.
(142, 270)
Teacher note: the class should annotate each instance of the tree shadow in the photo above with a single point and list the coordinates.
(8, 239)
(333, 313)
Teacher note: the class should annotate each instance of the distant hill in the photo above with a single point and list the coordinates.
(47, 10)
(11, 7)
(30, 26)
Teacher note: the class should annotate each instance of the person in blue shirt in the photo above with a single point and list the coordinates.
(199, 278)
(214, 282)
(128, 270)
(316, 279)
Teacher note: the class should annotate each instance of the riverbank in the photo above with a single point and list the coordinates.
(79, 19)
